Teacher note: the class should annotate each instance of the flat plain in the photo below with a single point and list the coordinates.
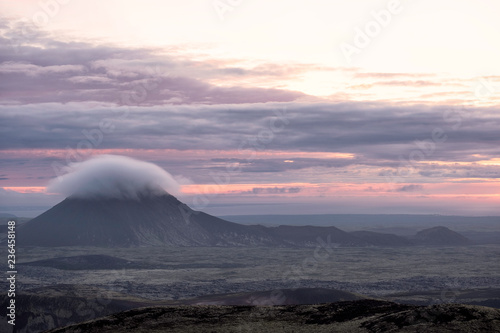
(176, 273)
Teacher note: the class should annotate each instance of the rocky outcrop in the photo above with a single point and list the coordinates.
(61, 305)
(352, 316)
(277, 297)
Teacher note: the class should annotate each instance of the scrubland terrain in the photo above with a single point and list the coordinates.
(173, 273)
(94, 282)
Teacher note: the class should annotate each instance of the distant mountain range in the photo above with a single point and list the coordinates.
(400, 224)
(162, 220)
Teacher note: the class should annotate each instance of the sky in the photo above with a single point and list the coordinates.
(258, 107)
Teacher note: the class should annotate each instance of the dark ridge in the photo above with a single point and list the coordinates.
(486, 296)
(350, 316)
(278, 297)
(60, 305)
(90, 262)
(307, 236)
(381, 239)
(104, 262)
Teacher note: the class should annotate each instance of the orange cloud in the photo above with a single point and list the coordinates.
(26, 189)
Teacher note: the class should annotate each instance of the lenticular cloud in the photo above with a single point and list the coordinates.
(111, 176)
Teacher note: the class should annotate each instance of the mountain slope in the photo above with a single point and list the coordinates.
(150, 220)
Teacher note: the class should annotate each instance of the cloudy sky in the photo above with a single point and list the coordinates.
(258, 107)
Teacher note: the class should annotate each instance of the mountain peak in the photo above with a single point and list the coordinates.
(440, 236)
(150, 219)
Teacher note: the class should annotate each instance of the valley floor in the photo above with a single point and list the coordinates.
(413, 275)
(189, 272)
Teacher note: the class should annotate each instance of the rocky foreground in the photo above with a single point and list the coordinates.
(349, 316)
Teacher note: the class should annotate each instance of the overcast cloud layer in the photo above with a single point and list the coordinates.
(37, 69)
(372, 131)
(239, 125)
